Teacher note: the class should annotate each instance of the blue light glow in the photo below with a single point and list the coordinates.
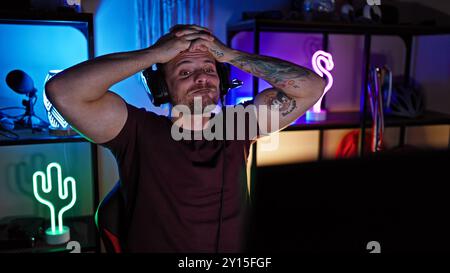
(36, 49)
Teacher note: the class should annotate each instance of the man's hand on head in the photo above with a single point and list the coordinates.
(221, 52)
(179, 39)
(187, 29)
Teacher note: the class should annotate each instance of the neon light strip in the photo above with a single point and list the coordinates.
(63, 193)
(327, 59)
(46, 188)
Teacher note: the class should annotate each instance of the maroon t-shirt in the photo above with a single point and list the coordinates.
(173, 188)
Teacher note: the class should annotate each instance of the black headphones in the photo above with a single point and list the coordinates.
(158, 91)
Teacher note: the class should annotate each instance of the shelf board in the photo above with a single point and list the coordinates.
(80, 21)
(335, 120)
(26, 137)
(337, 27)
(47, 249)
(351, 120)
(82, 230)
(20, 17)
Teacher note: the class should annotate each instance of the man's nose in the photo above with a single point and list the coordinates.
(200, 76)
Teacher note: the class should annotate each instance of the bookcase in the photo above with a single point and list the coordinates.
(349, 119)
(47, 147)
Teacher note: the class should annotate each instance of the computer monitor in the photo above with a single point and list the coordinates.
(389, 203)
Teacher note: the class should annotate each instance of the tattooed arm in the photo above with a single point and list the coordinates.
(295, 88)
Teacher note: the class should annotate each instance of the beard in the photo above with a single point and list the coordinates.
(198, 97)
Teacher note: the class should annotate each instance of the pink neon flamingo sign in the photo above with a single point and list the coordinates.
(319, 57)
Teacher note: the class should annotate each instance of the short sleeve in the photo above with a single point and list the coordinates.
(127, 135)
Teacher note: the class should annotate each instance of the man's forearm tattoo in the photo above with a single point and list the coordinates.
(279, 73)
(280, 101)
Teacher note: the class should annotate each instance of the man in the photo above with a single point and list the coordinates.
(188, 195)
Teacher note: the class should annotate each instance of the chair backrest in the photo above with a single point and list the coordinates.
(108, 219)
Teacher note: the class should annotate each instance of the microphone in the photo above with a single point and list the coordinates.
(20, 82)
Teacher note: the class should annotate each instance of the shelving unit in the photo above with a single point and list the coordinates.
(345, 120)
(84, 23)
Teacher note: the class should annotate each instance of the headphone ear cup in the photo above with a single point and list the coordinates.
(157, 86)
(224, 76)
(163, 89)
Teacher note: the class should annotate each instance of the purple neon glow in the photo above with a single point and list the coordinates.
(326, 58)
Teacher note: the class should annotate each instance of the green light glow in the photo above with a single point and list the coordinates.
(49, 231)
(63, 193)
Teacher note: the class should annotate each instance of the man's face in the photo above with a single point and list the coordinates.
(190, 75)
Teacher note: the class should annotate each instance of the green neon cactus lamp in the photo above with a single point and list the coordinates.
(60, 234)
